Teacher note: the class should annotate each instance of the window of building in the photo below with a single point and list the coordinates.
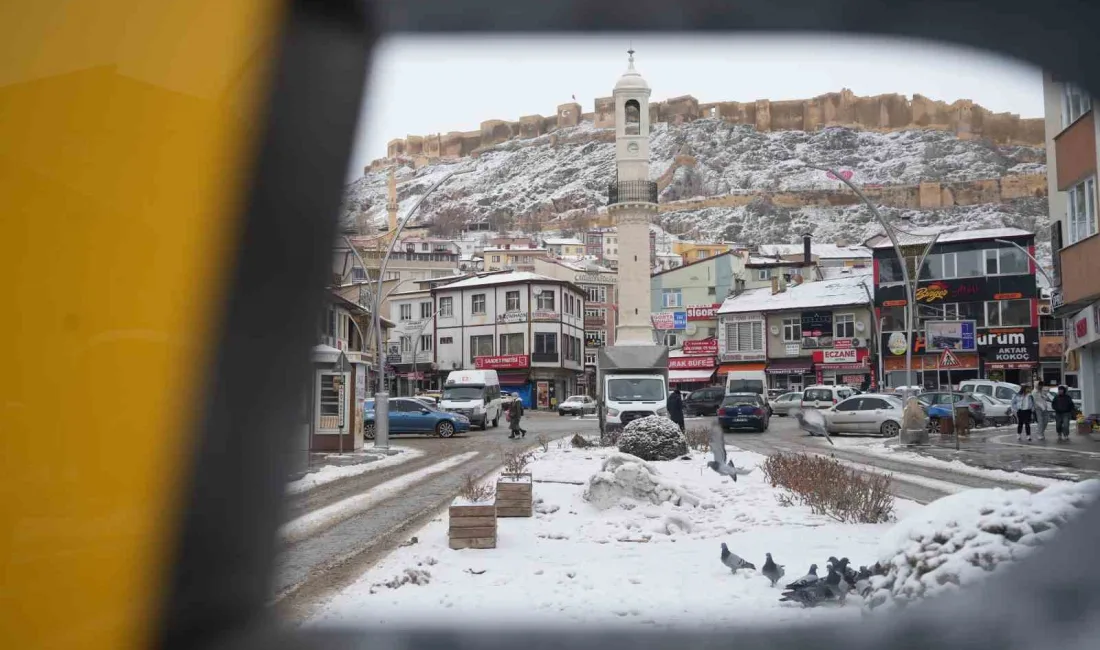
(792, 330)
(595, 312)
(426, 342)
(889, 270)
(393, 275)
(595, 338)
(672, 339)
(496, 258)
(546, 300)
(672, 297)
(425, 310)
(1081, 211)
(968, 264)
(844, 326)
(568, 349)
(1005, 261)
(546, 342)
(406, 312)
(1008, 313)
(481, 346)
(589, 358)
(511, 343)
(892, 319)
(511, 301)
(406, 344)
(1075, 103)
(974, 311)
(745, 337)
(595, 292)
(477, 304)
(446, 307)
(446, 340)
(763, 274)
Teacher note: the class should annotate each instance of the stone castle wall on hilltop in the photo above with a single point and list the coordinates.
(881, 113)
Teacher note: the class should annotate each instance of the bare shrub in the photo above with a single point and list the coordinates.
(610, 437)
(580, 442)
(830, 489)
(698, 438)
(544, 443)
(516, 461)
(473, 491)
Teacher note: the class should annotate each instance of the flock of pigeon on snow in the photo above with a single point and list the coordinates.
(811, 590)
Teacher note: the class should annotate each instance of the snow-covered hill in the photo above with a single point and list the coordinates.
(566, 173)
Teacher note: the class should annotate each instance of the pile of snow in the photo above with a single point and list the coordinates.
(363, 462)
(653, 438)
(635, 563)
(960, 539)
(625, 477)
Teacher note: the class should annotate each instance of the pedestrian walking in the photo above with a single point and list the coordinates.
(1042, 410)
(1063, 408)
(1023, 404)
(676, 409)
(515, 413)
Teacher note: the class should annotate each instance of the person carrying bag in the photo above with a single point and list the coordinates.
(1023, 404)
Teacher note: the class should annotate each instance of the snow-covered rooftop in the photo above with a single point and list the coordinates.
(499, 278)
(760, 261)
(834, 272)
(823, 251)
(925, 235)
(808, 295)
(565, 241)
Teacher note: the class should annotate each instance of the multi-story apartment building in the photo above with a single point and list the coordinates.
(600, 287)
(564, 247)
(977, 276)
(411, 342)
(801, 334)
(603, 245)
(528, 327)
(1072, 153)
(513, 257)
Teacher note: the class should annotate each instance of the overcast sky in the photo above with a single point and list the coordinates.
(425, 85)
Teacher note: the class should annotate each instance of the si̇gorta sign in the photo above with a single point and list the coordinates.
(669, 320)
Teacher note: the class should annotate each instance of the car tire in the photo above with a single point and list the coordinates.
(445, 429)
(561, 413)
(485, 423)
(368, 431)
(890, 429)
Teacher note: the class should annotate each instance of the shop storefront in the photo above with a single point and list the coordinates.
(513, 370)
(1009, 354)
(787, 375)
(928, 371)
(1051, 350)
(849, 366)
(1083, 354)
(694, 365)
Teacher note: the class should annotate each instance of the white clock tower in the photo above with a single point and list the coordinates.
(632, 203)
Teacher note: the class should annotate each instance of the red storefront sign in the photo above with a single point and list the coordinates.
(703, 347)
(703, 312)
(502, 362)
(690, 363)
(844, 355)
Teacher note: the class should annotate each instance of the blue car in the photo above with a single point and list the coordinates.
(408, 415)
(743, 411)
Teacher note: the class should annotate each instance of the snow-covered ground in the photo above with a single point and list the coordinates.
(633, 564)
(877, 447)
(330, 473)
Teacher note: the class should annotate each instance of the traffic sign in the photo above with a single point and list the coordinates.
(342, 363)
(948, 359)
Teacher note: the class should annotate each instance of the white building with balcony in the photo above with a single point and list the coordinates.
(410, 348)
(526, 326)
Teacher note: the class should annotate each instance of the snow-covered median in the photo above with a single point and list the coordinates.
(637, 560)
(330, 473)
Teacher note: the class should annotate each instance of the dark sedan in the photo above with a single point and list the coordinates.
(704, 401)
(743, 411)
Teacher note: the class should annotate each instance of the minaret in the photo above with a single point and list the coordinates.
(632, 202)
(391, 200)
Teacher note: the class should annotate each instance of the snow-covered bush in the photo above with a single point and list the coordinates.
(623, 476)
(830, 489)
(653, 438)
(960, 539)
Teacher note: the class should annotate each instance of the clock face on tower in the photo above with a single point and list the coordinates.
(632, 147)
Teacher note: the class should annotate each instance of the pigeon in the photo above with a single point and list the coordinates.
(771, 570)
(805, 580)
(813, 422)
(817, 591)
(836, 584)
(721, 464)
(734, 561)
(848, 573)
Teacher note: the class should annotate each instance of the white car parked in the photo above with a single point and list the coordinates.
(868, 413)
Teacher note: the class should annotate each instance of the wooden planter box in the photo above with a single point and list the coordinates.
(472, 526)
(514, 495)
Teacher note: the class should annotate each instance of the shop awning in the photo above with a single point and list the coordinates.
(512, 378)
(688, 376)
(844, 366)
(790, 366)
(727, 368)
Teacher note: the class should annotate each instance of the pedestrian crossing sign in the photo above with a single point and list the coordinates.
(948, 359)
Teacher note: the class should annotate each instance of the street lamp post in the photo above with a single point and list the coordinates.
(909, 282)
(1050, 281)
(381, 397)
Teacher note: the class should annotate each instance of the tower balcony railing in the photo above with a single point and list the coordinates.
(632, 192)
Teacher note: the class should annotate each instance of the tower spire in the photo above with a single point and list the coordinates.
(630, 55)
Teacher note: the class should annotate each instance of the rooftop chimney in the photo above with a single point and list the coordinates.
(807, 254)
(775, 284)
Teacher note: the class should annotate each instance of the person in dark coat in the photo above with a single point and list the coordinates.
(515, 412)
(1063, 408)
(676, 408)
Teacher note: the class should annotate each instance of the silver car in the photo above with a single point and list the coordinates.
(997, 411)
(787, 403)
(869, 413)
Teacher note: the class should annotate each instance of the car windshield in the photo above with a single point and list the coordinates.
(818, 395)
(1074, 393)
(741, 400)
(574, 399)
(645, 389)
(463, 393)
(745, 385)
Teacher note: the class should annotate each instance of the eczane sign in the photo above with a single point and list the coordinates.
(839, 356)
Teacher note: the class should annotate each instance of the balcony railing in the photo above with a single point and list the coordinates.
(632, 192)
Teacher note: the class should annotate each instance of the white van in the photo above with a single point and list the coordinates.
(825, 396)
(749, 381)
(475, 394)
(1002, 390)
